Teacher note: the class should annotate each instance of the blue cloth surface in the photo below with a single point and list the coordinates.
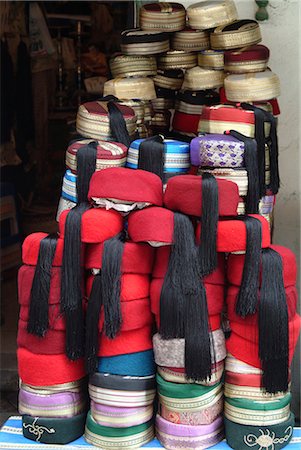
(140, 364)
(11, 438)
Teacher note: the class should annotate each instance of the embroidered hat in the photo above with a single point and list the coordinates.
(177, 59)
(190, 40)
(169, 79)
(141, 88)
(211, 59)
(198, 79)
(252, 87)
(162, 17)
(210, 14)
(240, 436)
(140, 42)
(132, 189)
(250, 59)
(241, 33)
(133, 65)
(98, 120)
(166, 157)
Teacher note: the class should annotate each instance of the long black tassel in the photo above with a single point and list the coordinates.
(151, 155)
(273, 324)
(111, 284)
(251, 164)
(86, 166)
(260, 118)
(248, 295)
(72, 280)
(274, 165)
(209, 220)
(117, 124)
(38, 308)
(92, 320)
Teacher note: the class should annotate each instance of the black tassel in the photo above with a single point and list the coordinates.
(209, 220)
(273, 324)
(197, 335)
(117, 124)
(38, 308)
(92, 320)
(72, 280)
(86, 166)
(251, 164)
(151, 155)
(248, 295)
(260, 118)
(273, 147)
(111, 284)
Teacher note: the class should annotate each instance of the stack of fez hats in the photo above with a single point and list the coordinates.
(161, 304)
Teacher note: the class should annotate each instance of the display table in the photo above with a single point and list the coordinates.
(11, 438)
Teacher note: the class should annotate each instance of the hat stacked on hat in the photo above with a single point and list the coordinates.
(52, 398)
(164, 157)
(260, 349)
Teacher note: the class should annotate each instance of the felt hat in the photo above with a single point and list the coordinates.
(240, 33)
(190, 40)
(167, 17)
(125, 187)
(144, 42)
(124, 66)
(206, 15)
(139, 364)
(250, 59)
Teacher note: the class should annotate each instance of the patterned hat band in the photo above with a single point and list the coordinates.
(212, 14)
(145, 48)
(246, 66)
(127, 66)
(126, 383)
(141, 88)
(113, 397)
(210, 59)
(191, 41)
(170, 374)
(175, 59)
(246, 33)
(252, 87)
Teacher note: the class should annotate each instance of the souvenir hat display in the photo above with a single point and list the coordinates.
(190, 40)
(129, 65)
(140, 42)
(245, 60)
(161, 309)
(162, 17)
(209, 14)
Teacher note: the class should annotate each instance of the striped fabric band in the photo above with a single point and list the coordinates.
(241, 33)
(191, 404)
(62, 206)
(120, 417)
(233, 364)
(206, 15)
(73, 386)
(275, 403)
(112, 397)
(252, 417)
(190, 40)
(211, 59)
(69, 186)
(126, 383)
(170, 374)
(250, 393)
(145, 48)
(251, 87)
(237, 176)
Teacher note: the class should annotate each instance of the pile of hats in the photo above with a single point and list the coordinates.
(52, 396)
(260, 350)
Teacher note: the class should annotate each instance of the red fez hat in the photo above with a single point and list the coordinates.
(126, 342)
(153, 225)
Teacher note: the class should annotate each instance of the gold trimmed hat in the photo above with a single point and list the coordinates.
(141, 42)
(190, 40)
(250, 59)
(177, 59)
(163, 17)
(241, 33)
(141, 88)
(125, 66)
(198, 79)
(212, 13)
(251, 87)
(211, 59)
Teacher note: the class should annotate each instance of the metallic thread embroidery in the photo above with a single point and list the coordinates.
(267, 441)
(37, 430)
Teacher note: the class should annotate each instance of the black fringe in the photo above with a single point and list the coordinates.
(72, 280)
(273, 147)
(111, 284)
(92, 320)
(248, 296)
(38, 308)
(251, 164)
(117, 124)
(273, 324)
(209, 220)
(86, 166)
(151, 155)
(260, 117)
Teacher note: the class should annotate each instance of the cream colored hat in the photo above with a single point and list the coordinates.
(190, 40)
(212, 13)
(240, 33)
(251, 87)
(211, 59)
(198, 79)
(177, 59)
(130, 88)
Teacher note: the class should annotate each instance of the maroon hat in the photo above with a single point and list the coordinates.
(153, 225)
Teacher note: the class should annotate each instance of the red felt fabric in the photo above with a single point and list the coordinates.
(243, 341)
(97, 224)
(232, 293)
(25, 278)
(53, 343)
(252, 53)
(231, 234)
(127, 185)
(101, 109)
(133, 286)
(185, 123)
(56, 319)
(184, 194)
(226, 113)
(215, 297)
(126, 342)
(236, 264)
(151, 224)
(161, 264)
(214, 322)
(31, 248)
(136, 258)
(47, 370)
(242, 379)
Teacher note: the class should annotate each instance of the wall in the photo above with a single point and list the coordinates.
(282, 35)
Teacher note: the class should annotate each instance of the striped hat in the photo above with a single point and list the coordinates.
(169, 79)
(141, 88)
(210, 14)
(190, 40)
(132, 65)
(177, 59)
(211, 59)
(162, 17)
(140, 42)
(241, 33)
(252, 87)
(198, 79)
(250, 59)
